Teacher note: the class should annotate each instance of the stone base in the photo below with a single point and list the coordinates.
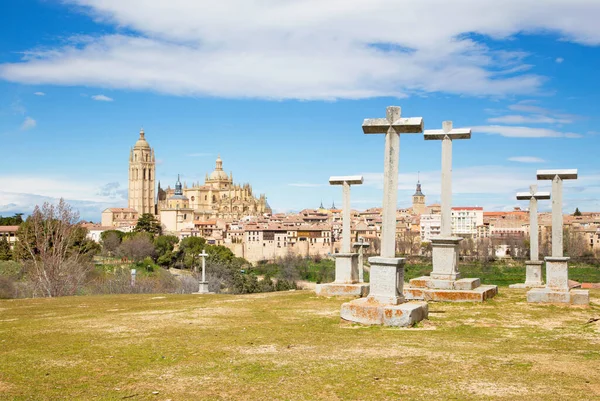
(203, 288)
(371, 312)
(463, 290)
(342, 290)
(346, 268)
(533, 275)
(444, 252)
(557, 273)
(552, 296)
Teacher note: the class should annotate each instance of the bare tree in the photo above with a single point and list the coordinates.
(137, 248)
(575, 244)
(111, 243)
(52, 246)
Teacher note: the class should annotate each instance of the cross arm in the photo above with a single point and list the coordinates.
(410, 125)
(567, 174)
(529, 195)
(375, 125)
(457, 133)
(350, 179)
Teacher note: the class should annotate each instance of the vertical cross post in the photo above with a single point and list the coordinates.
(533, 196)
(533, 275)
(203, 285)
(557, 273)
(557, 266)
(445, 247)
(447, 134)
(203, 255)
(346, 262)
(387, 271)
(557, 177)
(346, 182)
(392, 126)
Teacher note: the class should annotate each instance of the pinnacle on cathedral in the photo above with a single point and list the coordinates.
(418, 191)
(178, 190)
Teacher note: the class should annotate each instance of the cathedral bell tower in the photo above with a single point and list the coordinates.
(418, 200)
(142, 168)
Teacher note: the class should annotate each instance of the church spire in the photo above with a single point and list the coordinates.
(178, 190)
(418, 191)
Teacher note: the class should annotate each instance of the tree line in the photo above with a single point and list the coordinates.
(53, 257)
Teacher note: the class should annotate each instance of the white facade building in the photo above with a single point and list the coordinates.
(465, 221)
(431, 225)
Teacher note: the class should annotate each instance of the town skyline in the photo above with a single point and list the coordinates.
(284, 122)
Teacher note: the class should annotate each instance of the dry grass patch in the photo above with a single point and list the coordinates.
(292, 346)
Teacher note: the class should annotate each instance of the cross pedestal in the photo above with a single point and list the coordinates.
(385, 303)
(347, 281)
(361, 246)
(557, 268)
(445, 283)
(533, 274)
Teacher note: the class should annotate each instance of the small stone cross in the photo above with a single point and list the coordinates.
(557, 177)
(346, 181)
(533, 196)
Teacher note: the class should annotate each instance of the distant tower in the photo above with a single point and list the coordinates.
(418, 200)
(142, 167)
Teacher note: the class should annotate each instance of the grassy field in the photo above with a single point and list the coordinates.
(292, 346)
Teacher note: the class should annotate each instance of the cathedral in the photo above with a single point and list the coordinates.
(219, 197)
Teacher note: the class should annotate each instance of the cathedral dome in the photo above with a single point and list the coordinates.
(142, 143)
(219, 174)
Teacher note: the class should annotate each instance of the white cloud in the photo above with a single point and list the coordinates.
(28, 124)
(559, 60)
(39, 93)
(282, 49)
(526, 159)
(102, 98)
(532, 119)
(21, 193)
(529, 106)
(523, 132)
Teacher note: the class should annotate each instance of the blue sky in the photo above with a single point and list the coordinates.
(279, 89)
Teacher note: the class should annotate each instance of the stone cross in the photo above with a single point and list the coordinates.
(203, 255)
(533, 196)
(447, 134)
(361, 245)
(557, 177)
(346, 181)
(392, 126)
